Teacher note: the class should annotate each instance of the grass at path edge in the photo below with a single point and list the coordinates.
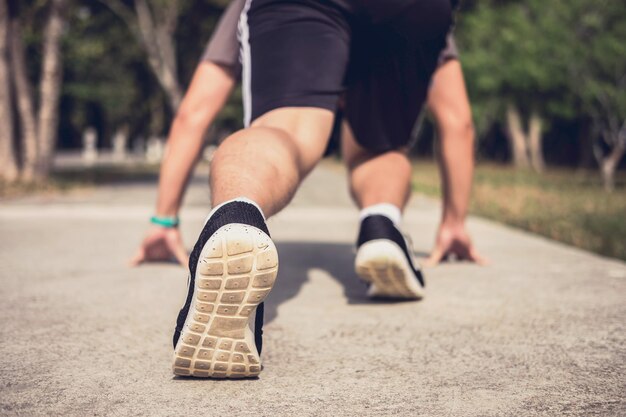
(564, 205)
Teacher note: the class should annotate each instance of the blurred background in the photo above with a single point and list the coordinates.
(88, 90)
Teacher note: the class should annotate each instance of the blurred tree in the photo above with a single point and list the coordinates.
(24, 99)
(153, 23)
(597, 76)
(531, 62)
(38, 119)
(106, 84)
(109, 82)
(8, 164)
(515, 56)
(142, 18)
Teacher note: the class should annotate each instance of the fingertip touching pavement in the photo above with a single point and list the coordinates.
(538, 332)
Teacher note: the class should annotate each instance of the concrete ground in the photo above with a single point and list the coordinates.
(539, 332)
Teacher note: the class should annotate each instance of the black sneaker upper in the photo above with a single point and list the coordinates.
(381, 227)
(234, 212)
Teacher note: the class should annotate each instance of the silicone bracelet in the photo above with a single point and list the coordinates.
(164, 221)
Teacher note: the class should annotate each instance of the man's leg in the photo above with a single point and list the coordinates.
(375, 178)
(266, 162)
(234, 263)
(294, 58)
(380, 186)
(382, 105)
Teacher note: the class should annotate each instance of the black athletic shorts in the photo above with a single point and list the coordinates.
(306, 53)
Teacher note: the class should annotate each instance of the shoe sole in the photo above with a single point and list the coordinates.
(383, 264)
(236, 271)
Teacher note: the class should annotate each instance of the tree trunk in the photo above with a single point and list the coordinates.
(50, 87)
(159, 45)
(8, 164)
(516, 137)
(25, 105)
(535, 142)
(156, 36)
(609, 165)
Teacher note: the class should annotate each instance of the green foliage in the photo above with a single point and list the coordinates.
(558, 57)
(108, 82)
(103, 66)
(598, 75)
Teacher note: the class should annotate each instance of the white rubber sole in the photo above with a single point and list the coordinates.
(236, 271)
(382, 263)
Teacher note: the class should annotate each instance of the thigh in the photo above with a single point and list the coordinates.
(307, 129)
(294, 54)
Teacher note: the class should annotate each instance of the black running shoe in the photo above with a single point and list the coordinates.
(385, 260)
(232, 269)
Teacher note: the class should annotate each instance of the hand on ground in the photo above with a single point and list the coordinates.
(161, 244)
(454, 241)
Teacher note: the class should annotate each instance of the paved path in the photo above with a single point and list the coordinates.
(539, 332)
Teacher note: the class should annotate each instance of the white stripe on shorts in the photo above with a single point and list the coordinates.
(244, 40)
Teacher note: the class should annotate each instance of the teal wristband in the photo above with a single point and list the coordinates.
(164, 221)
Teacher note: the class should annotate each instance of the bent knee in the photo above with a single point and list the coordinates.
(306, 128)
(264, 140)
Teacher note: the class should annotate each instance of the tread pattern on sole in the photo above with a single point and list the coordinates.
(236, 271)
(382, 264)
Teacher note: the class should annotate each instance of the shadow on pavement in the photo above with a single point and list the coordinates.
(296, 261)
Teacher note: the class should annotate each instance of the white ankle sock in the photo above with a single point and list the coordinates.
(388, 210)
(242, 199)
